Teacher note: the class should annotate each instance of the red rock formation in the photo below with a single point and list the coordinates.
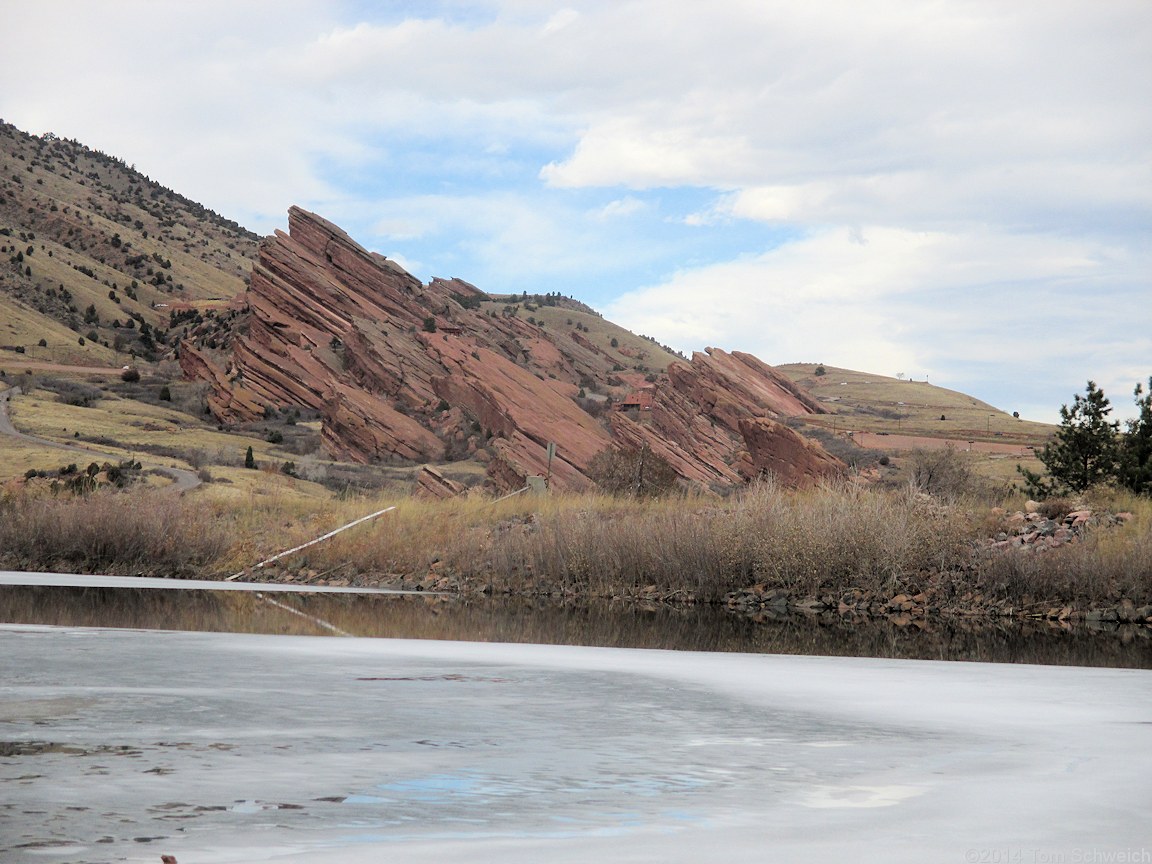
(430, 483)
(404, 371)
(226, 398)
(793, 460)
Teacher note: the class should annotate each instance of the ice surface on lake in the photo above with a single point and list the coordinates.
(125, 745)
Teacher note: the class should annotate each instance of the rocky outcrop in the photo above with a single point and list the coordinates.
(226, 397)
(399, 370)
(430, 483)
(793, 460)
(705, 422)
(731, 387)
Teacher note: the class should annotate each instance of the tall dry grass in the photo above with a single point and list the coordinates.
(807, 542)
(810, 543)
(154, 532)
(825, 539)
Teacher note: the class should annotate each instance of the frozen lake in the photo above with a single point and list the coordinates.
(122, 745)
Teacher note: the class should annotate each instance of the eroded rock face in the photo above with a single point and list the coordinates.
(410, 372)
(792, 459)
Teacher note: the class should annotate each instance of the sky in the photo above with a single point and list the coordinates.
(952, 190)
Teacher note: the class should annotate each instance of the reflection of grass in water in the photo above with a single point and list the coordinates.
(139, 608)
(550, 621)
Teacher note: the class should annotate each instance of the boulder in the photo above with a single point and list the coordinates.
(430, 483)
(793, 460)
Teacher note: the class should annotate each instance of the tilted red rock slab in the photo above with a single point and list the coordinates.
(404, 371)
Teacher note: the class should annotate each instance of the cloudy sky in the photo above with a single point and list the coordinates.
(952, 189)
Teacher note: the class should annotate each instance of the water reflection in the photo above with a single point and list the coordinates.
(498, 619)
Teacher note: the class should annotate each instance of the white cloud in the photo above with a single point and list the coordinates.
(619, 208)
(1043, 312)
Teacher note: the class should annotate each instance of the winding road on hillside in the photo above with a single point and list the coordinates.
(876, 441)
(183, 479)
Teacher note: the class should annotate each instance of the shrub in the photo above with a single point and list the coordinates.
(130, 375)
(943, 473)
(640, 473)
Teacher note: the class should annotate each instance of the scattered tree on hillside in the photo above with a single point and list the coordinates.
(249, 458)
(1084, 452)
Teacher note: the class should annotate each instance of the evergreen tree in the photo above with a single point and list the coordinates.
(249, 459)
(1136, 449)
(1084, 452)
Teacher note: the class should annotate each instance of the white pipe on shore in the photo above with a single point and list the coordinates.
(235, 576)
(352, 524)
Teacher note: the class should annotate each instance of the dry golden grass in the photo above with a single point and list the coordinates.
(155, 532)
(24, 327)
(805, 542)
(859, 400)
(20, 456)
(129, 428)
(814, 543)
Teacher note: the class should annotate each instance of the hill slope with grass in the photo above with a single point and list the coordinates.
(95, 257)
(876, 403)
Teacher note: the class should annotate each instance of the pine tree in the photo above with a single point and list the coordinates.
(1085, 451)
(249, 459)
(1136, 449)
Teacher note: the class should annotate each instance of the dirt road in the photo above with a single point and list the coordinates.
(183, 479)
(873, 441)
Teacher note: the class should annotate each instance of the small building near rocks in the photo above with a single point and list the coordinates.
(642, 399)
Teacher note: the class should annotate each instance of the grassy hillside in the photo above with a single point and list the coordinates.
(876, 403)
(95, 257)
